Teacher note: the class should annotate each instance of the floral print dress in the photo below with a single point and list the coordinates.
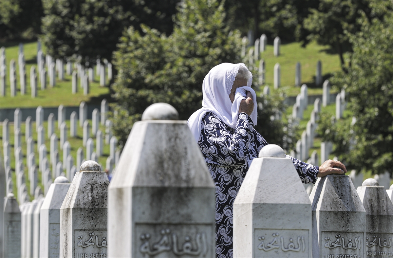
(228, 153)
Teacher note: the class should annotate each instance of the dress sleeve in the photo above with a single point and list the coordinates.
(224, 146)
(307, 172)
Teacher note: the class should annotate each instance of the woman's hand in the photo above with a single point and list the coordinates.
(247, 105)
(331, 167)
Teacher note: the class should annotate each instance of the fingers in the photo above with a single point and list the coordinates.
(336, 171)
(338, 164)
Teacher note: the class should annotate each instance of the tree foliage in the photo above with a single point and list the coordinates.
(90, 29)
(369, 86)
(153, 67)
(20, 16)
(332, 21)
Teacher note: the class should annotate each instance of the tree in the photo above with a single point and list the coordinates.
(332, 21)
(21, 15)
(157, 68)
(86, 30)
(369, 87)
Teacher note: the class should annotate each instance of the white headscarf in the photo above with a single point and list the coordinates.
(216, 88)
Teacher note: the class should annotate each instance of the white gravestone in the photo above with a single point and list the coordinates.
(52, 75)
(318, 74)
(42, 155)
(304, 140)
(83, 214)
(12, 227)
(33, 178)
(3, 85)
(112, 147)
(91, 74)
(79, 157)
(43, 79)
(304, 94)
(30, 229)
(256, 50)
(299, 150)
(99, 143)
(69, 164)
(53, 145)
(63, 134)
(50, 218)
(109, 164)
(104, 110)
(51, 125)
(39, 117)
(74, 82)
(95, 121)
(272, 211)
(28, 129)
(261, 72)
(175, 206)
(17, 139)
(17, 119)
(82, 113)
(326, 93)
(60, 116)
(379, 219)
(277, 43)
(59, 169)
(263, 43)
(2, 195)
(69, 67)
(108, 131)
(339, 218)
(298, 74)
(33, 82)
(6, 131)
(23, 209)
(66, 152)
(86, 87)
(338, 107)
(40, 136)
(73, 124)
(86, 132)
(36, 227)
(277, 76)
(89, 148)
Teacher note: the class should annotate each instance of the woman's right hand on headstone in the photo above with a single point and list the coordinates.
(331, 167)
(247, 105)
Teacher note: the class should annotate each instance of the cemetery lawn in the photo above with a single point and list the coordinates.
(61, 94)
(308, 57)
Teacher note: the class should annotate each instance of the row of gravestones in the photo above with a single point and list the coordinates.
(52, 66)
(57, 166)
(167, 200)
(260, 47)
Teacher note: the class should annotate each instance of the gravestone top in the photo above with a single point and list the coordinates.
(272, 151)
(391, 187)
(160, 111)
(62, 180)
(10, 195)
(370, 182)
(90, 166)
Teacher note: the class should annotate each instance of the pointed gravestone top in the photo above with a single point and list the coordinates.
(61, 180)
(370, 182)
(90, 166)
(272, 151)
(160, 111)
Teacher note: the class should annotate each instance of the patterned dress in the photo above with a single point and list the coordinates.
(228, 153)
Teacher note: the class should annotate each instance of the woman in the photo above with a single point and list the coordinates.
(224, 129)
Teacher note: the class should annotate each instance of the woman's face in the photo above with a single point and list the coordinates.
(236, 84)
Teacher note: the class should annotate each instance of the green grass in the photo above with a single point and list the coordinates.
(75, 143)
(308, 57)
(61, 94)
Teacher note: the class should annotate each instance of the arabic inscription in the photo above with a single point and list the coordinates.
(90, 244)
(281, 243)
(342, 245)
(379, 245)
(174, 241)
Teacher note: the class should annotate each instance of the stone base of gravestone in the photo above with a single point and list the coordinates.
(338, 216)
(272, 212)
